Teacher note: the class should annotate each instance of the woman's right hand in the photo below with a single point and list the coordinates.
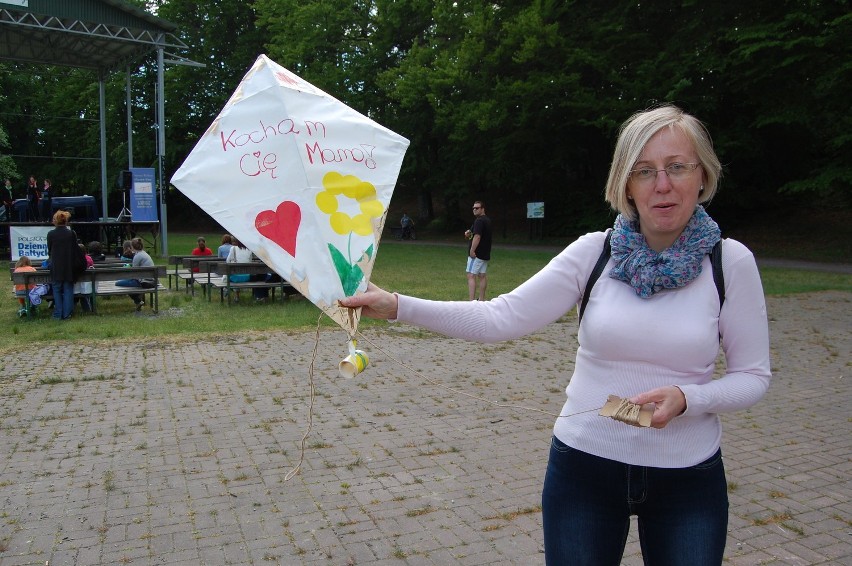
(375, 302)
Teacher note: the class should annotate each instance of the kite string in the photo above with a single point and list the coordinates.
(414, 371)
(465, 393)
(310, 425)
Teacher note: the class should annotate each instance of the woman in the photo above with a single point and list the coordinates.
(650, 334)
(201, 250)
(33, 198)
(238, 253)
(225, 248)
(45, 205)
(63, 251)
(140, 259)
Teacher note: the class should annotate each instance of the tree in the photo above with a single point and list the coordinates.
(224, 37)
(504, 100)
(792, 64)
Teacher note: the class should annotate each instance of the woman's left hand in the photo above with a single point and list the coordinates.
(670, 402)
(375, 303)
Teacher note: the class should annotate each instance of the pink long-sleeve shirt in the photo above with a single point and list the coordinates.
(629, 345)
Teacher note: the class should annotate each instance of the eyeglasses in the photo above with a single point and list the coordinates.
(675, 171)
(476, 207)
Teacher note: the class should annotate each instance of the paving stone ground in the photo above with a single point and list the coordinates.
(177, 452)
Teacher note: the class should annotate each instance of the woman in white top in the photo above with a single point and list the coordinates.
(650, 334)
(238, 254)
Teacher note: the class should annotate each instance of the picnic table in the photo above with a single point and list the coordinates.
(193, 271)
(219, 274)
(103, 283)
(178, 271)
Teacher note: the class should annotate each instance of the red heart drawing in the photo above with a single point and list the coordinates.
(281, 226)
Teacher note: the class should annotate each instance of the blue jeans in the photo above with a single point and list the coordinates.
(587, 502)
(131, 283)
(63, 298)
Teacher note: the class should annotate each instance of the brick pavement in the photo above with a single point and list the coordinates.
(176, 452)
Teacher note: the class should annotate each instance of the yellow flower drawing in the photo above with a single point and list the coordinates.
(351, 187)
(354, 188)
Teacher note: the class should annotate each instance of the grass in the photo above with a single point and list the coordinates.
(428, 271)
(779, 281)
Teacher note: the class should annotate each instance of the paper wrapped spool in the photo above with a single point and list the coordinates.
(624, 411)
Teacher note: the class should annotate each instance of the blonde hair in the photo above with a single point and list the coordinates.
(61, 218)
(635, 133)
(23, 261)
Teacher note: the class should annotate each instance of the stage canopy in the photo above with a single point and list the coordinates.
(102, 35)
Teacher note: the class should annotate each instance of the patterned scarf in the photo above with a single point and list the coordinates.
(648, 271)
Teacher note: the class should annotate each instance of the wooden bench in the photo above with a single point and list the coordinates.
(103, 281)
(193, 271)
(176, 270)
(32, 278)
(181, 272)
(219, 277)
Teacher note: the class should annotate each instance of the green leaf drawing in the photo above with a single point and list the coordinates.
(350, 275)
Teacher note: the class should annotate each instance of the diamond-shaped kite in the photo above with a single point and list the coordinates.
(301, 179)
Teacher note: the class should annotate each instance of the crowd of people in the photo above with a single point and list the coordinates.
(39, 199)
(64, 286)
(68, 257)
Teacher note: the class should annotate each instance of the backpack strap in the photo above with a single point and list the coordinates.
(715, 261)
(718, 273)
(596, 272)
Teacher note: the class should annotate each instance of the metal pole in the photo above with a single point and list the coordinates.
(161, 149)
(129, 122)
(102, 109)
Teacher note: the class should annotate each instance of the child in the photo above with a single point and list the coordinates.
(83, 289)
(23, 264)
(126, 252)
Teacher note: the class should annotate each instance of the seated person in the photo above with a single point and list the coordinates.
(262, 293)
(201, 250)
(140, 259)
(96, 252)
(239, 254)
(225, 248)
(126, 251)
(23, 264)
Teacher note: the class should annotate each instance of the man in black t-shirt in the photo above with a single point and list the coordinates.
(479, 252)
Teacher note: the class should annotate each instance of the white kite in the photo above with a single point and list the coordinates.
(302, 180)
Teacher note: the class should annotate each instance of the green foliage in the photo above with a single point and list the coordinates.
(507, 101)
(7, 166)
